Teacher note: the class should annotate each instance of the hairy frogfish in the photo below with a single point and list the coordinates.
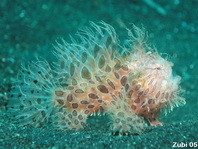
(130, 82)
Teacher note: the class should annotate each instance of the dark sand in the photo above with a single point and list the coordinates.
(29, 29)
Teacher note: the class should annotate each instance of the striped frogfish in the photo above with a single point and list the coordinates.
(97, 74)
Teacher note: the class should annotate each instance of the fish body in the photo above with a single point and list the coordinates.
(97, 75)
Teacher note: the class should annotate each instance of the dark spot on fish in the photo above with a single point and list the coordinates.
(130, 93)
(69, 97)
(117, 66)
(85, 73)
(93, 96)
(74, 105)
(125, 67)
(80, 117)
(108, 68)
(76, 122)
(103, 89)
(101, 62)
(60, 101)
(72, 69)
(133, 107)
(84, 57)
(123, 80)
(84, 102)
(79, 91)
(87, 111)
(90, 106)
(116, 75)
(137, 100)
(59, 93)
(111, 83)
(126, 87)
(98, 79)
(74, 82)
(74, 113)
(96, 50)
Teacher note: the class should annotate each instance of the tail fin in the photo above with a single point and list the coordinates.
(31, 96)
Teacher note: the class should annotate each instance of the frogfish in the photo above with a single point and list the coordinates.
(97, 74)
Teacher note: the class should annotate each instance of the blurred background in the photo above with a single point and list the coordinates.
(30, 28)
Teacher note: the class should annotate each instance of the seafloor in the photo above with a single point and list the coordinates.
(30, 28)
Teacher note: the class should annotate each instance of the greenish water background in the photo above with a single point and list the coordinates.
(29, 28)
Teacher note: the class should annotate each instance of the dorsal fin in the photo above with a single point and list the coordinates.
(97, 47)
